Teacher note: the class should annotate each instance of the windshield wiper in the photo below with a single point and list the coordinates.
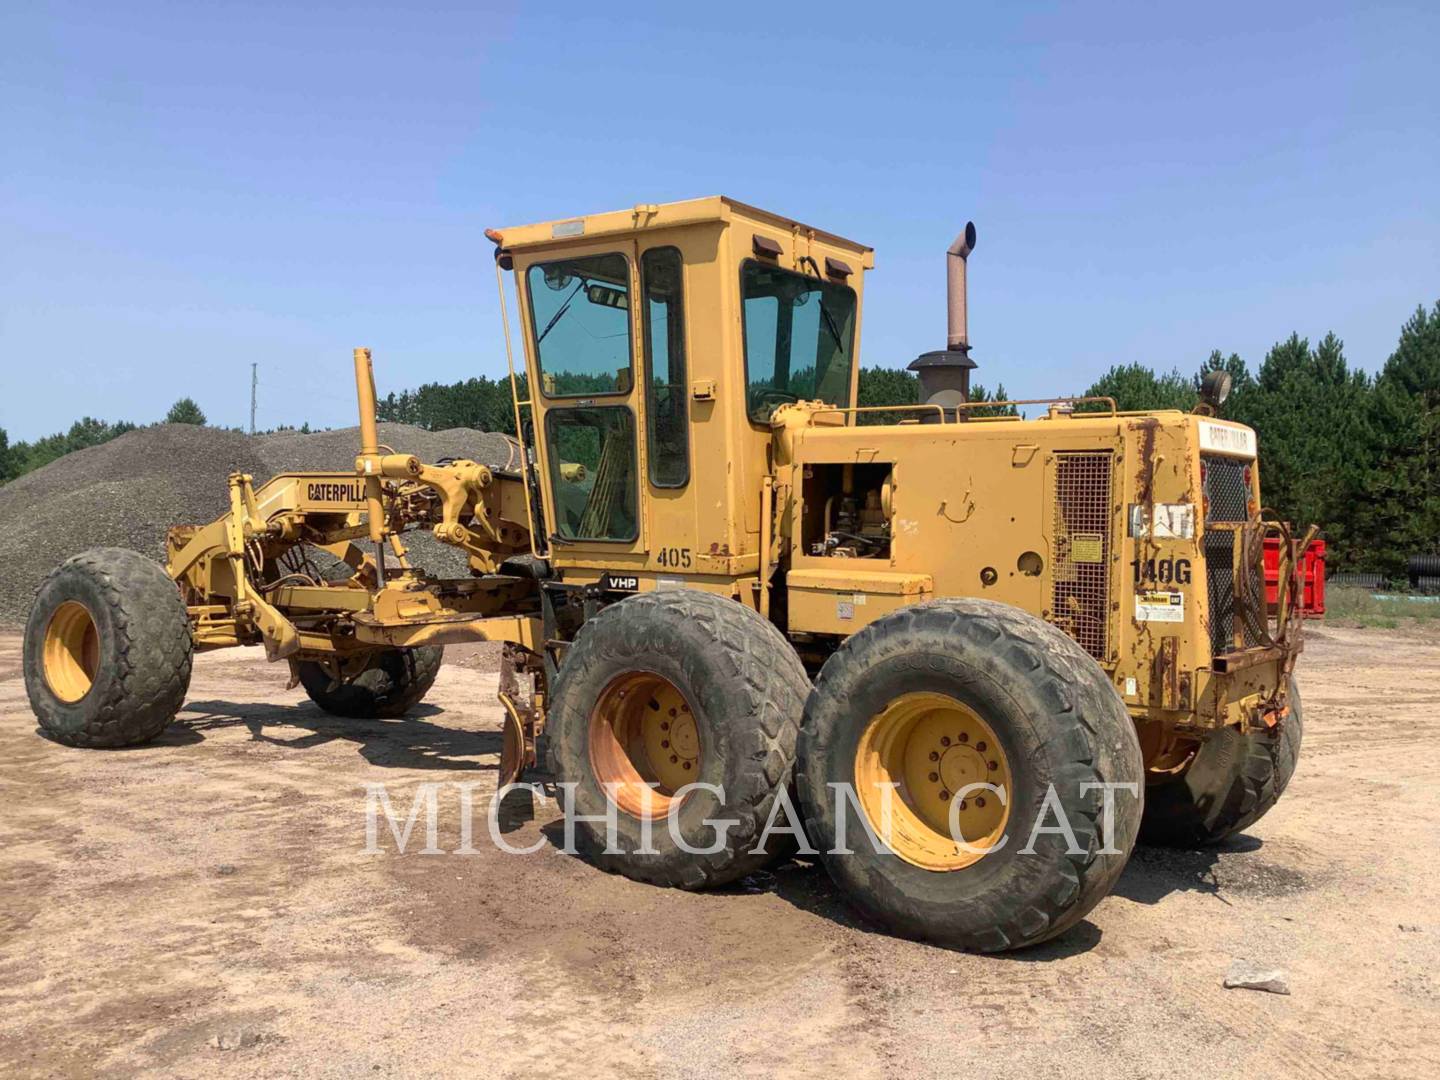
(834, 330)
(829, 319)
(563, 308)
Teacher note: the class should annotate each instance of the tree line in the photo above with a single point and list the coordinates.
(24, 457)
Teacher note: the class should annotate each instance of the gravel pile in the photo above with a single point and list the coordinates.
(129, 491)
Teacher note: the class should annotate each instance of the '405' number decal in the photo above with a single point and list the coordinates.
(675, 558)
(1161, 571)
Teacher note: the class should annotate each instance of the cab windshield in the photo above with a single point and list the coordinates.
(799, 339)
(580, 321)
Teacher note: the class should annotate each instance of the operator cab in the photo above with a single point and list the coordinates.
(639, 326)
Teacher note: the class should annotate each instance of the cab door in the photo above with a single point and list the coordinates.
(581, 335)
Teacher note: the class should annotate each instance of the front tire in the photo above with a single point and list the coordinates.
(392, 683)
(916, 699)
(107, 650)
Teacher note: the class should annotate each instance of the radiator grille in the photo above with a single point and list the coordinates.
(1227, 498)
(1220, 583)
(1226, 491)
(1250, 600)
(1081, 560)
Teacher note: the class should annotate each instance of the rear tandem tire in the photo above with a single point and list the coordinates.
(1233, 781)
(952, 672)
(392, 684)
(107, 650)
(719, 680)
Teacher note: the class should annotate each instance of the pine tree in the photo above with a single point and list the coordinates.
(1398, 510)
(185, 411)
(979, 393)
(1284, 357)
(1136, 387)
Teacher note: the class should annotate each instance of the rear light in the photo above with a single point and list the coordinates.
(1246, 475)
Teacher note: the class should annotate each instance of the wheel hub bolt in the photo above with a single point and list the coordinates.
(934, 777)
(945, 796)
(980, 746)
(687, 764)
(994, 765)
(665, 743)
(980, 802)
(673, 759)
(964, 736)
(664, 725)
(944, 740)
(934, 755)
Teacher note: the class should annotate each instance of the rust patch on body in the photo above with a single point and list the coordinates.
(1145, 476)
(1167, 675)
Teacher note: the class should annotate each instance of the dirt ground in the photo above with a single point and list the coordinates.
(205, 905)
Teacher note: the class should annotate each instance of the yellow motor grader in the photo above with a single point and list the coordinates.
(1031, 640)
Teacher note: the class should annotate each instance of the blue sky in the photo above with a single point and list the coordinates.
(189, 187)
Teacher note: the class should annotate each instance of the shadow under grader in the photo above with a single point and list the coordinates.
(408, 742)
(1153, 873)
(176, 734)
(804, 883)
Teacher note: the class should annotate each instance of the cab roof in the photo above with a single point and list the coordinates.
(647, 216)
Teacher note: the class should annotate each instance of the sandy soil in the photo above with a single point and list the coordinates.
(204, 905)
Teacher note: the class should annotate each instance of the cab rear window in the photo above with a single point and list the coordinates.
(799, 338)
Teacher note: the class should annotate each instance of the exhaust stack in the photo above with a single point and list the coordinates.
(959, 338)
(945, 373)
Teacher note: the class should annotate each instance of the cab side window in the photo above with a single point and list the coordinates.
(663, 320)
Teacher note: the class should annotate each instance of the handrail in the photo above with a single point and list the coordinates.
(967, 405)
(1114, 410)
(516, 405)
(889, 408)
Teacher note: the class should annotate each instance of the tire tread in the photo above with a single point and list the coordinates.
(772, 680)
(1076, 694)
(153, 650)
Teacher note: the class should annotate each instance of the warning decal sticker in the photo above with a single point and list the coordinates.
(1087, 548)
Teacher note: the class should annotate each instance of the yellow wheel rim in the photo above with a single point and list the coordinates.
(644, 745)
(71, 652)
(922, 754)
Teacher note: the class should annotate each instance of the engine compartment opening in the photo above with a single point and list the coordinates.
(847, 510)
